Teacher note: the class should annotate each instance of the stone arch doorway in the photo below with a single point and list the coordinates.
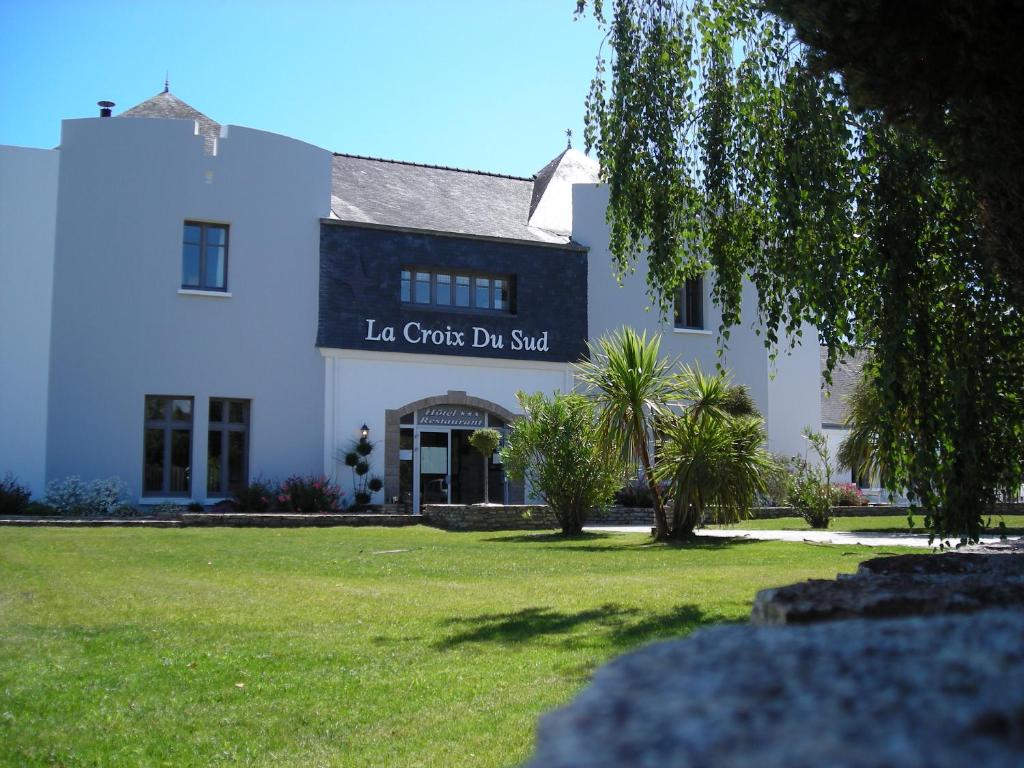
(427, 458)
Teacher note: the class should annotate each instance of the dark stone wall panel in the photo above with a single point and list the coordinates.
(360, 280)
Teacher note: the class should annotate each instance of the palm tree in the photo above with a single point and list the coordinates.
(629, 383)
(859, 449)
(712, 453)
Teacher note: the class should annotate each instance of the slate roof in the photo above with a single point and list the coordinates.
(166, 105)
(370, 190)
(846, 374)
(391, 193)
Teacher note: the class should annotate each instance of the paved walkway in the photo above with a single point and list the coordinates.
(894, 539)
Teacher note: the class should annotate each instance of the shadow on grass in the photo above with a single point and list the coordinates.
(609, 624)
(614, 542)
(541, 538)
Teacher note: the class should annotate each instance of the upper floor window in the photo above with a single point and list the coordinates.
(204, 257)
(689, 305)
(430, 287)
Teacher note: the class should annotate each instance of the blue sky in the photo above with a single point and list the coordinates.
(474, 84)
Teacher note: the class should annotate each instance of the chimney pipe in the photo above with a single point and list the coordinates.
(105, 107)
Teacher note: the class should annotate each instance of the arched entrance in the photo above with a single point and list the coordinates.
(427, 456)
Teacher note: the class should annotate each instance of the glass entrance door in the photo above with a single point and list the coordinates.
(467, 470)
(434, 474)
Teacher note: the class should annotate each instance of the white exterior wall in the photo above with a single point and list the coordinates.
(360, 386)
(122, 330)
(794, 396)
(833, 439)
(28, 204)
(786, 393)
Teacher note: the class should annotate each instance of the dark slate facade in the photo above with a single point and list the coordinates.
(360, 295)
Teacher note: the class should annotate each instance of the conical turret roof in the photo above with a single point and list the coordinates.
(551, 206)
(166, 105)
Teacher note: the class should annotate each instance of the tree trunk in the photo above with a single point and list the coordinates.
(487, 467)
(660, 519)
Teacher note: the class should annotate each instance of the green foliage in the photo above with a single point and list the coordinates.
(712, 459)
(860, 447)
(727, 145)
(257, 496)
(556, 449)
(73, 496)
(812, 494)
(39, 509)
(629, 383)
(949, 70)
(486, 441)
(13, 496)
(739, 402)
(778, 482)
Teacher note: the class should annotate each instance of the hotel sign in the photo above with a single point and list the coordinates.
(360, 296)
(473, 337)
(450, 416)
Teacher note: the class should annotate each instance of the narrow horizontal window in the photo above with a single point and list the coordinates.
(489, 293)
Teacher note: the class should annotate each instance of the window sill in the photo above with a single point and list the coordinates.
(196, 292)
(152, 501)
(693, 331)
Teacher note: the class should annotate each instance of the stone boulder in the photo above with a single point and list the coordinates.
(915, 660)
(903, 585)
(937, 691)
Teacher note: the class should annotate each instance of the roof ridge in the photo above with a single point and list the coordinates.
(438, 167)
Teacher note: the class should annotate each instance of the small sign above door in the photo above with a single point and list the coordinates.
(450, 416)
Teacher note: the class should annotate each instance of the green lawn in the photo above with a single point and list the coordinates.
(341, 647)
(885, 524)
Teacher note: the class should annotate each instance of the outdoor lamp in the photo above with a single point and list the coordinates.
(364, 431)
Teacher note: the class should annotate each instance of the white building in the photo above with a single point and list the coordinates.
(191, 306)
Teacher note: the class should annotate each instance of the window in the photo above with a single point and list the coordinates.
(689, 305)
(167, 446)
(204, 257)
(450, 289)
(227, 447)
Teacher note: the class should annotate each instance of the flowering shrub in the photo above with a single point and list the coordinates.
(74, 496)
(255, 497)
(309, 494)
(13, 496)
(848, 495)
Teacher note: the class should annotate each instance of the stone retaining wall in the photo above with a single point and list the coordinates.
(219, 520)
(489, 517)
(527, 517)
(622, 516)
(250, 520)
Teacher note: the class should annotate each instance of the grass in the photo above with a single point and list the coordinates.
(867, 524)
(341, 646)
